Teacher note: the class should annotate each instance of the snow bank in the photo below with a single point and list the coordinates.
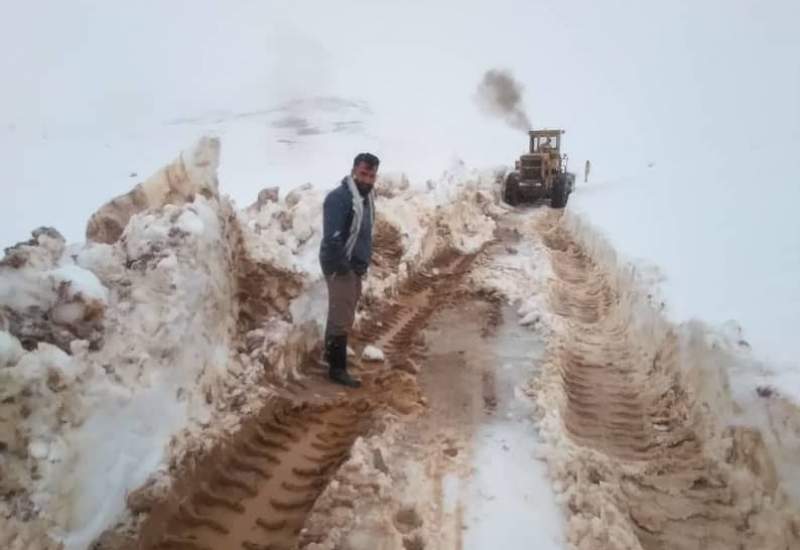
(684, 371)
(455, 213)
(716, 361)
(726, 254)
(130, 348)
(286, 232)
(41, 300)
(193, 173)
(107, 379)
(174, 322)
(411, 226)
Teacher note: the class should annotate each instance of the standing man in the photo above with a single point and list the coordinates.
(586, 169)
(347, 218)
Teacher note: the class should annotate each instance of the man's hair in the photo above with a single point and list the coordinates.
(369, 159)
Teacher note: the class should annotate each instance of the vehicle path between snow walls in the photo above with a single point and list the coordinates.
(636, 454)
(460, 472)
(390, 463)
(163, 388)
(256, 489)
(630, 414)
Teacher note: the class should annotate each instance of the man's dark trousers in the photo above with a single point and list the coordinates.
(344, 292)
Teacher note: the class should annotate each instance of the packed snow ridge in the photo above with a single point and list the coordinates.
(178, 318)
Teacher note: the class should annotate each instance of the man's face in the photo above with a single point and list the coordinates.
(364, 176)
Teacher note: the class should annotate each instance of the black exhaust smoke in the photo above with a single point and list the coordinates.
(500, 95)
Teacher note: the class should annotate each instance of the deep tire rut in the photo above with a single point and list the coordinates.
(620, 402)
(395, 327)
(258, 496)
(255, 492)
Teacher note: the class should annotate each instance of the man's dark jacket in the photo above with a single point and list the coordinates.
(337, 219)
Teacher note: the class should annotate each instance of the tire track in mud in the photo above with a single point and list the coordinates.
(618, 401)
(396, 326)
(257, 494)
(256, 490)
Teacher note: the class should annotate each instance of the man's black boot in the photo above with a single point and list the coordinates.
(328, 351)
(337, 359)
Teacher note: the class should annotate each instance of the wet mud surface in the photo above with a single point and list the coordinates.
(256, 490)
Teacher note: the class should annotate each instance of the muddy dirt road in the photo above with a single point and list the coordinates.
(256, 491)
(441, 447)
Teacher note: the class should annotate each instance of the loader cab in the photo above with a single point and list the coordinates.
(543, 162)
(545, 141)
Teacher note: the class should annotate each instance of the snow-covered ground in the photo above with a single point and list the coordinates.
(689, 113)
(510, 480)
(726, 247)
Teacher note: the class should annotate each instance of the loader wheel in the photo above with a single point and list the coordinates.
(560, 193)
(511, 190)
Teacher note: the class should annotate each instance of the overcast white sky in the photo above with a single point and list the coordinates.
(628, 80)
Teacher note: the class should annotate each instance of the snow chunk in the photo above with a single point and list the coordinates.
(371, 353)
(51, 303)
(36, 365)
(41, 251)
(189, 222)
(286, 234)
(39, 449)
(10, 349)
(81, 282)
(530, 319)
(105, 261)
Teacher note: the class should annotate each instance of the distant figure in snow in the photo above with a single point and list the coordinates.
(348, 216)
(586, 169)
